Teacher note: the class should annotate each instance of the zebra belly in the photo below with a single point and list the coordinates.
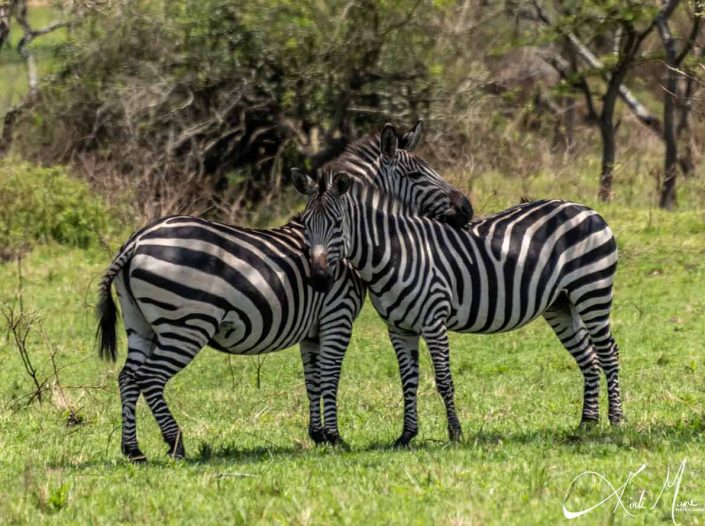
(500, 315)
(481, 326)
(231, 338)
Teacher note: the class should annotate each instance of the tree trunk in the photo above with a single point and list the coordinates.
(667, 198)
(4, 23)
(684, 133)
(608, 155)
(607, 128)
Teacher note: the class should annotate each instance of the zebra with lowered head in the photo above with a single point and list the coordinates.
(184, 283)
(554, 259)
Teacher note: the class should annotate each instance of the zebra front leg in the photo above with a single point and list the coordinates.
(569, 329)
(406, 347)
(437, 341)
(310, 356)
(334, 342)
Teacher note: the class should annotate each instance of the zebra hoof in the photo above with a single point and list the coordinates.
(455, 435)
(318, 435)
(134, 455)
(616, 421)
(176, 448)
(588, 423)
(334, 439)
(404, 441)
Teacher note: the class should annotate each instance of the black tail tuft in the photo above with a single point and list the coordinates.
(107, 317)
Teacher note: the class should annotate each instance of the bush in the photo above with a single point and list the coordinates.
(40, 204)
(201, 104)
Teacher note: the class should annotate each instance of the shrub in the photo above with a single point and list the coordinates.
(204, 103)
(40, 204)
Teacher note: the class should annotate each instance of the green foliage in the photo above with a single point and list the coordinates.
(189, 91)
(58, 498)
(40, 204)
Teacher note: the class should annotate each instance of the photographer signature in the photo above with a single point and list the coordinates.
(617, 493)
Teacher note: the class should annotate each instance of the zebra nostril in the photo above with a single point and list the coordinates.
(320, 280)
(460, 211)
(466, 208)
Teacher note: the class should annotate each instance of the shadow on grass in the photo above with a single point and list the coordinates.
(578, 441)
(626, 436)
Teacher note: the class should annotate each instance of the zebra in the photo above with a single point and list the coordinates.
(184, 283)
(547, 258)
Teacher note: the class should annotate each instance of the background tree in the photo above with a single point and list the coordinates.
(618, 29)
(675, 95)
(201, 105)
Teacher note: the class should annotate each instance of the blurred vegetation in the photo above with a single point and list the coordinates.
(202, 106)
(204, 103)
(46, 204)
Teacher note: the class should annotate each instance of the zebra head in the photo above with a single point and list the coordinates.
(325, 232)
(411, 180)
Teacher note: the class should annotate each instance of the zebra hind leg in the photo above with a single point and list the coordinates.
(138, 350)
(140, 344)
(594, 310)
(310, 356)
(173, 352)
(569, 329)
(406, 347)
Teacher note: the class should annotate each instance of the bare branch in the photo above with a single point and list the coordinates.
(694, 31)
(637, 108)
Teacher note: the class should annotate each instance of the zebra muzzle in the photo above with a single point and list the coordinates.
(321, 277)
(460, 211)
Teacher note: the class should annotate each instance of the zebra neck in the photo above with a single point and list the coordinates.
(374, 221)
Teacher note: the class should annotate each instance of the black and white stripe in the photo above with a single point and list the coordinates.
(184, 283)
(554, 259)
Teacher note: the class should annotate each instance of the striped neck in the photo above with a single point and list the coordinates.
(372, 220)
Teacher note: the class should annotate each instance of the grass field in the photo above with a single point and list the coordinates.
(250, 460)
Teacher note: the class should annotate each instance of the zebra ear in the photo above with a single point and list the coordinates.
(303, 182)
(389, 141)
(411, 139)
(341, 183)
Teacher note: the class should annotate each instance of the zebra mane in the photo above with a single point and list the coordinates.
(379, 198)
(296, 221)
(361, 148)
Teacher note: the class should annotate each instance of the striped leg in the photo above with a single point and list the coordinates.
(594, 310)
(437, 341)
(138, 349)
(566, 323)
(140, 344)
(406, 347)
(173, 352)
(310, 356)
(335, 337)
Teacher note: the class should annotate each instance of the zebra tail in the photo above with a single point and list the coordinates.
(106, 311)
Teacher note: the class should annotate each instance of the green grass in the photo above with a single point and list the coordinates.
(249, 457)
(13, 70)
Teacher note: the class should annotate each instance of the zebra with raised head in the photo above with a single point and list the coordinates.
(554, 259)
(184, 283)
